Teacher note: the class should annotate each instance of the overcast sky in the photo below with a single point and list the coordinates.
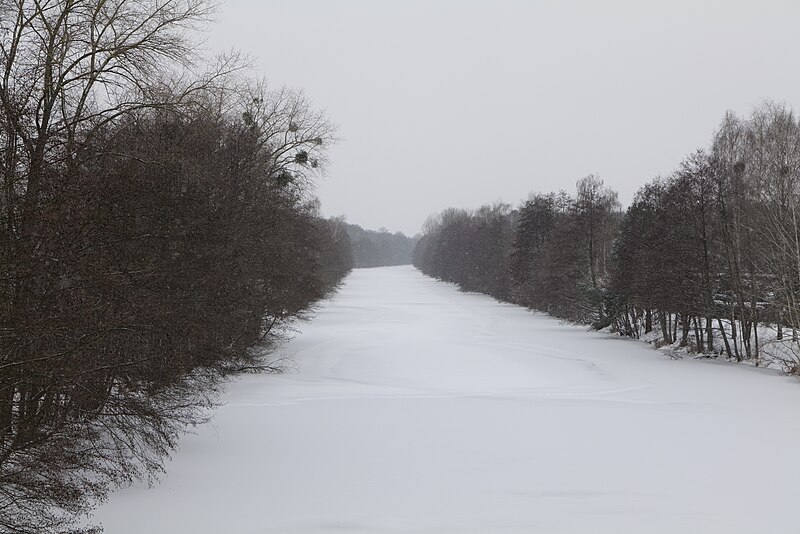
(461, 103)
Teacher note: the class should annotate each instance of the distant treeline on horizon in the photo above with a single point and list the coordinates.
(379, 248)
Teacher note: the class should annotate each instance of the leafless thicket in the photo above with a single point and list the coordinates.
(712, 250)
(157, 223)
(707, 257)
(552, 254)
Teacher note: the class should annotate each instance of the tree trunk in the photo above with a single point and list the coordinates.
(674, 321)
(746, 339)
(685, 324)
(735, 337)
(698, 336)
(665, 328)
(755, 337)
(725, 338)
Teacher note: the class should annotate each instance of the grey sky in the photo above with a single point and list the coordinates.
(460, 103)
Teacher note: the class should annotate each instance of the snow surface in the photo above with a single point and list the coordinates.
(417, 408)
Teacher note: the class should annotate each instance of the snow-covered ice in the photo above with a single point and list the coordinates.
(417, 408)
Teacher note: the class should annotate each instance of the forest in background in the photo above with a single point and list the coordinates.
(379, 248)
(158, 232)
(706, 259)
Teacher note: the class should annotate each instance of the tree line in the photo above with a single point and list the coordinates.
(379, 248)
(158, 230)
(707, 258)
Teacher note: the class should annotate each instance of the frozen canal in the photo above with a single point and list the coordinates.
(417, 408)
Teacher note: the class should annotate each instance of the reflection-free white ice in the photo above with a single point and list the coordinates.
(417, 408)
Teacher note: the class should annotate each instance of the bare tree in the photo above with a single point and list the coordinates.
(67, 69)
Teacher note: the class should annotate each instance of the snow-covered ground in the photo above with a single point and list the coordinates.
(417, 408)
